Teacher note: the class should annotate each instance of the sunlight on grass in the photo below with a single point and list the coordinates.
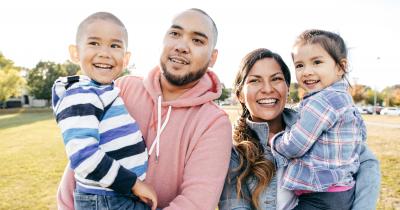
(33, 159)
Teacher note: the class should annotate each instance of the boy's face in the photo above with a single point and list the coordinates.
(101, 51)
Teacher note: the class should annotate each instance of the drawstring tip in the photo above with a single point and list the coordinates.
(156, 159)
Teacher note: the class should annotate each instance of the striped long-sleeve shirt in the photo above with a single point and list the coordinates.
(102, 141)
(322, 147)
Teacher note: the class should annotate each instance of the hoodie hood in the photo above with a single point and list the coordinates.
(207, 89)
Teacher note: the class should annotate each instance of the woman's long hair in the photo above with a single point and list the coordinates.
(251, 152)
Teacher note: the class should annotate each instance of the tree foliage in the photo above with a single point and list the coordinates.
(41, 78)
(294, 93)
(391, 95)
(225, 94)
(11, 83)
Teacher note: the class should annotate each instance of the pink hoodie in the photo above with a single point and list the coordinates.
(194, 147)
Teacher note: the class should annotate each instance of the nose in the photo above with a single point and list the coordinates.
(104, 52)
(267, 87)
(181, 46)
(308, 71)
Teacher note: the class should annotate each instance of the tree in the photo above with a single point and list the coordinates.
(226, 93)
(391, 95)
(11, 83)
(370, 97)
(396, 95)
(294, 93)
(358, 93)
(71, 68)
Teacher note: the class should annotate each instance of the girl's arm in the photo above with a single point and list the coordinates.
(368, 179)
(315, 117)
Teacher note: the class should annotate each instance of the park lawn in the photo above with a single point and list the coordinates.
(33, 158)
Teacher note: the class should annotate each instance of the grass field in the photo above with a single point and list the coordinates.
(33, 158)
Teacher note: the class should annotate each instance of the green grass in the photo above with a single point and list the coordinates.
(33, 158)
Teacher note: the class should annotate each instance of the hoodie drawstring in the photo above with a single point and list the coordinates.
(160, 128)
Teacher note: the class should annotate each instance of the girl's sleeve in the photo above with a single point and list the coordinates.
(368, 179)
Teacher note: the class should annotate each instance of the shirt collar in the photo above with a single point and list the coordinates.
(261, 128)
(339, 86)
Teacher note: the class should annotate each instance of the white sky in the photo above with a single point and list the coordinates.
(42, 30)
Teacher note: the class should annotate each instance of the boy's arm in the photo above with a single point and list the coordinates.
(78, 115)
(206, 169)
(316, 117)
(368, 180)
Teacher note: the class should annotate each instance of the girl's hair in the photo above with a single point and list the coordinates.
(251, 152)
(332, 43)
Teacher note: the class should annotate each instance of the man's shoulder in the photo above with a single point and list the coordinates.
(212, 109)
(129, 80)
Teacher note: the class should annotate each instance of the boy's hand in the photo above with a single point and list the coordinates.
(146, 193)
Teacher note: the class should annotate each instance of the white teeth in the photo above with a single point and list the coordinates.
(310, 81)
(267, 101)
(180, 61)
(103, 66)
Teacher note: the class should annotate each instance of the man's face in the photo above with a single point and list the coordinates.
(188, 48)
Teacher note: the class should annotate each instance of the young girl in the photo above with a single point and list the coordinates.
(322, 147)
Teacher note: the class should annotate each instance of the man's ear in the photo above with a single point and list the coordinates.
(73, 53)
(213, 58)
(126, 59)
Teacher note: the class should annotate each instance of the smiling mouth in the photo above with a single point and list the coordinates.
(178, 60)
(268, 101)
(103, 66)
(310, 82)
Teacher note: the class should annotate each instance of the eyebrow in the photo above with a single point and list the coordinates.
(195, 32)
(313, 58)
(112, 40)
(258, 76)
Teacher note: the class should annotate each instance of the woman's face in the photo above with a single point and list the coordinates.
(264, 91)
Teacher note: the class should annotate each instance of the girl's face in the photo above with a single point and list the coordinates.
(264, 91)
(315, 68)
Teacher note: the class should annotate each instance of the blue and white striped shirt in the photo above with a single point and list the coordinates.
(102, 141)
(323, 146)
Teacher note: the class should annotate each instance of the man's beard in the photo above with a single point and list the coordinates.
(185, 79)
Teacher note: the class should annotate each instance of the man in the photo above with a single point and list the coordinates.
(187, 135)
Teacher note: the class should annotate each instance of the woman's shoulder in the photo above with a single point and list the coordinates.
(234, 156)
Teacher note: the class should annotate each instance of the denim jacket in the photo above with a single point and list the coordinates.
(367, 178)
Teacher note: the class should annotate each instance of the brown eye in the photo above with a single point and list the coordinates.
(94, 43)
(116, 46)
(299, 66)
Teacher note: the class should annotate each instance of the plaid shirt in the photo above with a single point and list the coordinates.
(322, 147)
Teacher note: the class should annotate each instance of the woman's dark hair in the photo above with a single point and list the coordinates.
(251, 152)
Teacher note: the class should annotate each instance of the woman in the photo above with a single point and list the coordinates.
(262, 88)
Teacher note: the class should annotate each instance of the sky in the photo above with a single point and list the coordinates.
(42, 30)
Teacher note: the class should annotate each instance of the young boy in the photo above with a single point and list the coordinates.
(103, 142)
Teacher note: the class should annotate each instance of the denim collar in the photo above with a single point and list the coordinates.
(262, 129)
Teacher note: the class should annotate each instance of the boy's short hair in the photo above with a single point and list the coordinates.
(106, 16)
